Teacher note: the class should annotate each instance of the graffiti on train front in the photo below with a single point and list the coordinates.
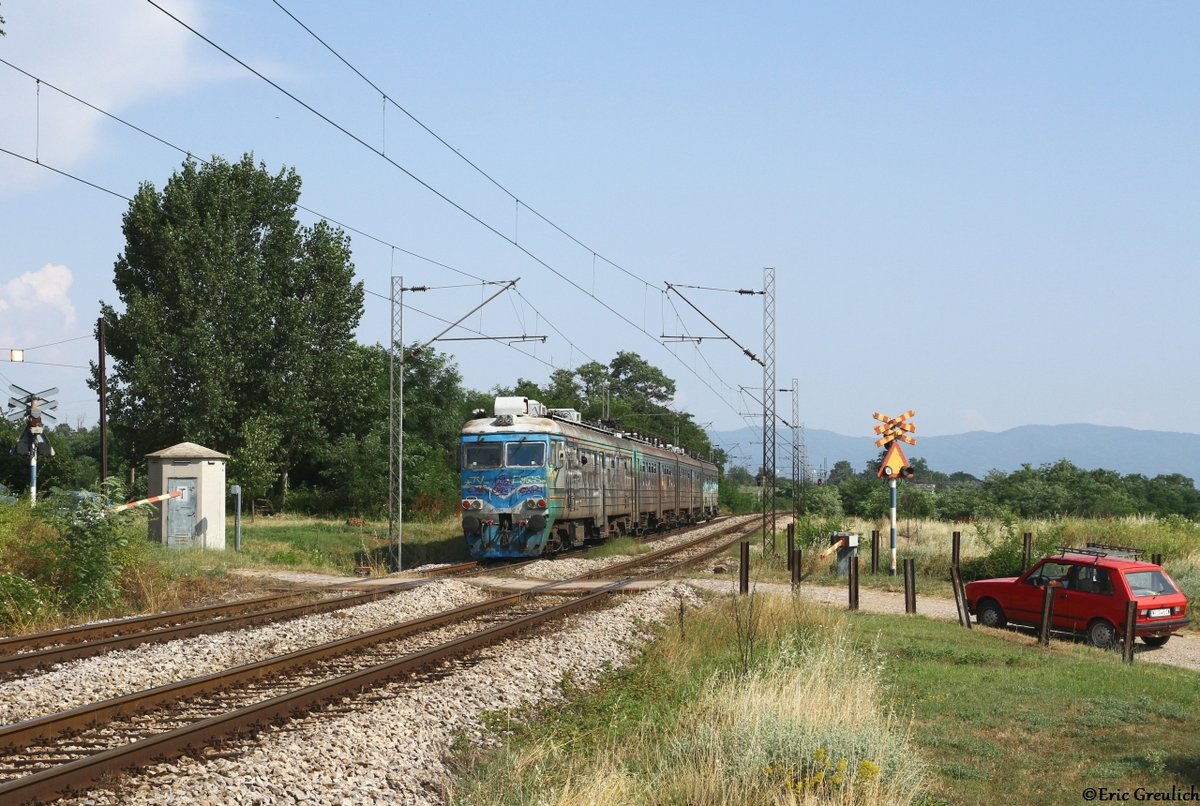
(503, 485)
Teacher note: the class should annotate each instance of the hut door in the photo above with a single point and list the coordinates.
(181, 512)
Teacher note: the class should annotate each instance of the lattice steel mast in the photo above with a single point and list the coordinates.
(769, 433)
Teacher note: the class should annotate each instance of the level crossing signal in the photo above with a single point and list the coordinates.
(895, 428)
(891, 432)
(33, 407)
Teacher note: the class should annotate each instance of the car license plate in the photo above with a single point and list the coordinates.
(1159, 612)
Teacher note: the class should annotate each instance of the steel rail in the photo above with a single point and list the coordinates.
(53, 782)
(74, 775)
(654, 556)
(88, 632)
(85, 716)
(59, 654)
(60, 723)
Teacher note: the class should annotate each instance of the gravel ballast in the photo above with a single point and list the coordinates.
(125, 671)
(393, 749)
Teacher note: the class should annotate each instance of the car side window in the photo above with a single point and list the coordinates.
(1090, 579)
(1049, 571)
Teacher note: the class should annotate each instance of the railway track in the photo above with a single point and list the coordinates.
(59, 646)
(74, 749)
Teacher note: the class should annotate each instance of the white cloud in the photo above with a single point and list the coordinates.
(112, 55)
(28, 298)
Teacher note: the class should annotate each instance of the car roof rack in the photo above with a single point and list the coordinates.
(1099, 550)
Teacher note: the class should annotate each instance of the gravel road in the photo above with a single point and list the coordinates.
(1182, 650)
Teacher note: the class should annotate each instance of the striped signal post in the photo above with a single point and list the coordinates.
(891, 433)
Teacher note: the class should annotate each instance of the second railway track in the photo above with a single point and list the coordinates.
(71, 750)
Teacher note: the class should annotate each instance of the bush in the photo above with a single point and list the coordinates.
(1006, 548)
(23, 602)
(90, 564)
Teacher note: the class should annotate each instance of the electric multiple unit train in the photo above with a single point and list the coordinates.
(536, 481)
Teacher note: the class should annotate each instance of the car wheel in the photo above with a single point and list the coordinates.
(1156, 640)
(989, 614)
(1101, 634)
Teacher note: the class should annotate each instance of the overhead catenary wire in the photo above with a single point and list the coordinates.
(389, 99)
(472, 216)
(126, 198)
(191, 154)
(345, 226)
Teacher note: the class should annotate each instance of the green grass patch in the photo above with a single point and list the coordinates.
(974, 714)
(619, 546)
(338, 546)
(995, 712)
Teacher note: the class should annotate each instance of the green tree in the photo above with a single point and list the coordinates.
(643, 386)
(823, 501)
(254, 465)
(232, 311)
(435, 407)
(841, 471)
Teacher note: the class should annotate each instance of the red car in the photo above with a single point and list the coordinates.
(1091, 587)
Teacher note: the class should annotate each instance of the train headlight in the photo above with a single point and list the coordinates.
(535, 503)
(472, 503)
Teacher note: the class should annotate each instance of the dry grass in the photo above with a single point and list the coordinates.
(804, 725)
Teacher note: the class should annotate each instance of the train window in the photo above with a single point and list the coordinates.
(482, 455)
(525, 454)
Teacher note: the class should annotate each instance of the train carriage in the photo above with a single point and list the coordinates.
(537, 480)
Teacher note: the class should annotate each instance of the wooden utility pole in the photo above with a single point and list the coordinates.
(103, 402)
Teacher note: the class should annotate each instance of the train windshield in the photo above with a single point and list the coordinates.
(482, 455)
(526, 454)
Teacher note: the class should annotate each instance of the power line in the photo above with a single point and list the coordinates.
(191, 154)
(339, 127)
(40, 164)
(343, 225)
(64, 341)
(389, 99)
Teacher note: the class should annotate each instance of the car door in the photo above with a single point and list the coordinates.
(1087, 593)
(1025, 599)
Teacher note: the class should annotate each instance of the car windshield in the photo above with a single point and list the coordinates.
(526, 454)
(1149, 583)
(482, 455)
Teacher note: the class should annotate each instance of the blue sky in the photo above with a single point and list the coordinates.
(984, 212)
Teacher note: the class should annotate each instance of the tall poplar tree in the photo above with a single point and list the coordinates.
(233, 313)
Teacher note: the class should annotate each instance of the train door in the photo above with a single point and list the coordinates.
(651, 502)
(677, 481)
(556, 479)
(635, 487)
(605, 470)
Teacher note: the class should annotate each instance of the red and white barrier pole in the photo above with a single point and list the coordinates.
(152, 500)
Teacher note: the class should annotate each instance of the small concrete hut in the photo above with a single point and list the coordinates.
(196, 517)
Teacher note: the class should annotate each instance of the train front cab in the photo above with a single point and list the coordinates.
(506, 507)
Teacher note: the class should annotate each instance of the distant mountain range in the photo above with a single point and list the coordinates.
(1124, 450)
